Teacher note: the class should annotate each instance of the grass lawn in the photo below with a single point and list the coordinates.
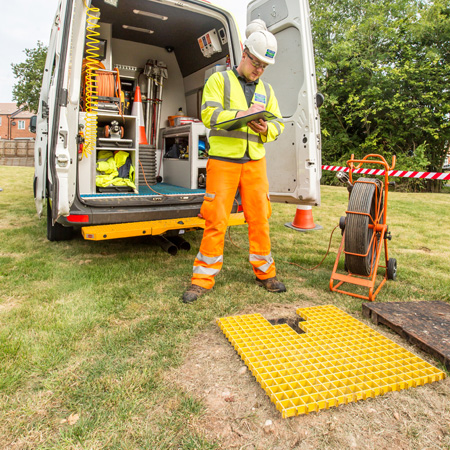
(90, 330)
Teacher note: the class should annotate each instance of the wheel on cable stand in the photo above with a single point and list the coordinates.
(391, 270)
(363, 199)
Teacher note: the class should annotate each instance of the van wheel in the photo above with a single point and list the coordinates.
(57, 232)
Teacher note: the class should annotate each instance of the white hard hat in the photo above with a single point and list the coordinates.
(255, 25)
(263, 45)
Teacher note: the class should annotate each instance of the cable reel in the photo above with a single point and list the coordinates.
(363, 215)
(364, 231)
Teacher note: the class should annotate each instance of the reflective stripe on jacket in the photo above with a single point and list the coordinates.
(223, 97)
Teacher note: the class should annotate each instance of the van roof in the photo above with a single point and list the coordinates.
(180, 31)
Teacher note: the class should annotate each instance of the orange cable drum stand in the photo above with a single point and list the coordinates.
(364, 230)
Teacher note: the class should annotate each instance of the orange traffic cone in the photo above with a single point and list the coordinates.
(138, 111)
(303, 220)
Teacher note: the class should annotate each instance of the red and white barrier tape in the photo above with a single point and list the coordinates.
(393, 173)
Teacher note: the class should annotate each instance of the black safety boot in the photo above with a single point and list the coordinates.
(272, 284)
(193, 293)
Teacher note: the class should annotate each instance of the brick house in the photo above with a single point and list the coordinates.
(446, 165)
(14, 122)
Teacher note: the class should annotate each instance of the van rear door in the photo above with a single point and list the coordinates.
(63, 108)
(294, 159)
(46, 100)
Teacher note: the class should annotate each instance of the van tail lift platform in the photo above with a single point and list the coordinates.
(150, 228)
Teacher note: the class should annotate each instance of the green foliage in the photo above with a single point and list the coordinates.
(415, 162)
(383, 68)
(27, 89)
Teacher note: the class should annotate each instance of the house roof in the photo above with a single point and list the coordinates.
(10, 108)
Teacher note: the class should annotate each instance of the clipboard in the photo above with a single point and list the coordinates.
(234, 124)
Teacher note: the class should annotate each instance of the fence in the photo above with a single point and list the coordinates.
(17, 153)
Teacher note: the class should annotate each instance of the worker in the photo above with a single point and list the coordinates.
(237, 161)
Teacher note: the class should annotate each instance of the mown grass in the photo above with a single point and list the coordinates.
(91, 328)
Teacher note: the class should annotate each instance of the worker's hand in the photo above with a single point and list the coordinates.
(256, 107)
(258, 126)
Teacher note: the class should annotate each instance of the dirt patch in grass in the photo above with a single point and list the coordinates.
(239, 415)
(9, 304)
(33, 413)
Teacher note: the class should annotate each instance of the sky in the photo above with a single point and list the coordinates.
(24, 22)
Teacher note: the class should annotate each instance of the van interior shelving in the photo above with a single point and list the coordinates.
(131, 34)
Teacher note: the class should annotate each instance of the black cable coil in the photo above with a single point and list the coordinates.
(358, 235)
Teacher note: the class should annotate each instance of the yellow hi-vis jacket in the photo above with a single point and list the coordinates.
(223, 97)
(108, 165)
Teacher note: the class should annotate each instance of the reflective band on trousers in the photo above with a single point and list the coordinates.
(199, 270)
(268, 258)
(210, 260)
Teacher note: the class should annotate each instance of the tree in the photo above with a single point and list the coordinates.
(29, 74)
(384, 68)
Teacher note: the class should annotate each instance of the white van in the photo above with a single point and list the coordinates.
(167, 48)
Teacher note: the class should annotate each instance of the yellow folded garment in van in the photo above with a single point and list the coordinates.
(123, 182)
(108, 166)
(121, 158)
(114, 169)
(105, 180)
(106, 162)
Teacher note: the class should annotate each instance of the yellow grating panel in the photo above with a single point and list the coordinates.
(338, 360)
(153, 227)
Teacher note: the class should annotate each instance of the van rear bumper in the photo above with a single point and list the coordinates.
(90, 215)
(102, 215)
(150, 228)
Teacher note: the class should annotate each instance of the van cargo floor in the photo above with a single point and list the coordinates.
(145, 191)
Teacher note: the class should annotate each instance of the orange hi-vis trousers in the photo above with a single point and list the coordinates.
(222, 181)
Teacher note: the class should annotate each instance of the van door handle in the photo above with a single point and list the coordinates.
(63, 134)
(62, 160)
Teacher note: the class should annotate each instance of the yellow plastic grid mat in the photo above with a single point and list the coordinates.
(337, 360)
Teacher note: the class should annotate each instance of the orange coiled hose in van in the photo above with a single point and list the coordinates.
(108, 85)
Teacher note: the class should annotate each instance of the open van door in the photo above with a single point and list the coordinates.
(294, 159)
(56, 149)
(43, 121)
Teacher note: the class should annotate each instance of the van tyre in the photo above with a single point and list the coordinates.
(392, 269)
(57, 232)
